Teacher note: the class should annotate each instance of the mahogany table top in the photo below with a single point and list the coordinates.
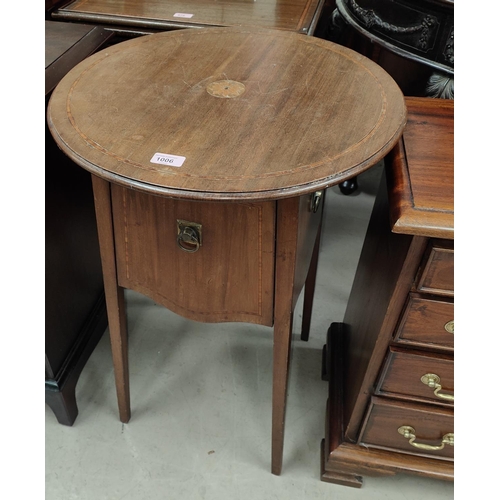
(422, 170)
(300, 16)
(227, 113)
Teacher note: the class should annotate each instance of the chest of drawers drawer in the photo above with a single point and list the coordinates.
(437, 272)
(427, 322)
(409, 428)
(419, 376)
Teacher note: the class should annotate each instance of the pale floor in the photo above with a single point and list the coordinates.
(201, 401)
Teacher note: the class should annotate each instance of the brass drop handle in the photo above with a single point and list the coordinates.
(409, 433)
(315, 201)
(450, 326)
(432, 380)
(188, 236)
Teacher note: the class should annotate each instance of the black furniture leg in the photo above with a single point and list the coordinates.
(62, 402)
(349, 186)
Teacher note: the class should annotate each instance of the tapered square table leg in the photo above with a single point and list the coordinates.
(286, 266)
(115, 301)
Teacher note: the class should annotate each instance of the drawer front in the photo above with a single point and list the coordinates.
(437, 275)
(427, 322)
(229, 278)
(387, 420)
(415, 375)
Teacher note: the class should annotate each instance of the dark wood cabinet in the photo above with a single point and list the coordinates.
(75, 315)
(412, 40)
(390, 362)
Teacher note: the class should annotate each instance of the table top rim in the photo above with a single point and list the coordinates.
(408, 216)
(308, 185)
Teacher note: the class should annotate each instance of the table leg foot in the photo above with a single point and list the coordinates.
(281, 364)
(119, 348)
(62, 403)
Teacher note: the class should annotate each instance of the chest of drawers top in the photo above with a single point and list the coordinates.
(421, 182)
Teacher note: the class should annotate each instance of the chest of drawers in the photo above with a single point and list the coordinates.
(390, 363)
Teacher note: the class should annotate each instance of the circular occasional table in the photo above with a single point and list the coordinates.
(210, 151)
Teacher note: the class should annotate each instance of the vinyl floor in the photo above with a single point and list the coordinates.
(201, 401)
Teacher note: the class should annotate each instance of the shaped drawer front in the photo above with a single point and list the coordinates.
(415, 375)
(427, 322)
(229, 277)
(416, 429)
(437, 276)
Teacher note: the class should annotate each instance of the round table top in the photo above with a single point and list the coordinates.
(227, 113)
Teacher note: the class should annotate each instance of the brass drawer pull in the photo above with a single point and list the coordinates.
(315, 201)
(432, 380)
(188, 236)
(450, 326)
(409, 433)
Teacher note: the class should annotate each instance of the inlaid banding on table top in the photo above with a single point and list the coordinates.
(268, 132)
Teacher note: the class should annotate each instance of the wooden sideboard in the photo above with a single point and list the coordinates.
(390, 362)
(75, 314)
(136, 16)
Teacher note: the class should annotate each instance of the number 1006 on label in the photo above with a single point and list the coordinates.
(170, 160)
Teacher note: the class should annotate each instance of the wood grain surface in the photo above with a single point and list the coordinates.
(437, 274)
(115, 297)
(293, 15)
(430, 424)
(230, 277)
(311, 114)
(401, 376)
(423, 323)
(385, 274)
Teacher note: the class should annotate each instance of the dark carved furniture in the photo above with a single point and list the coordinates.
(390, 363)
(209, 192)
(412, 40)
(75, 315)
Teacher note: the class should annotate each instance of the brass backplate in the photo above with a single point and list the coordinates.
(181, 224)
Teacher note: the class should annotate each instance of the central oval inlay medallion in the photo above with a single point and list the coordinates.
(226, 89)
